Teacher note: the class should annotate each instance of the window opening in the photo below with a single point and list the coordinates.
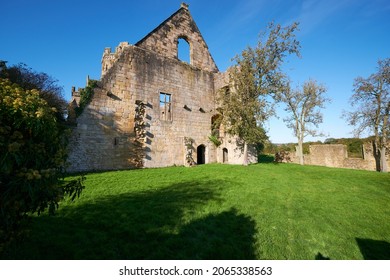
(165, 106)
(183, 50)
(201, 154)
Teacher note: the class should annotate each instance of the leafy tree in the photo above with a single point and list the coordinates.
(371, 101)
(330, 141)
(32, 157)
(255, 76)
(303, 108)
(46, 85)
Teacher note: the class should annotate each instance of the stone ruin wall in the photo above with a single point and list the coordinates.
(122, 127)
(164, 40)
(106, 132)
(336, 155)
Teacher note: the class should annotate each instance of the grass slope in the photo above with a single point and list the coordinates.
(263, 211)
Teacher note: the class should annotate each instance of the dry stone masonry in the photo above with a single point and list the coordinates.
(334, 155)
(148, 104)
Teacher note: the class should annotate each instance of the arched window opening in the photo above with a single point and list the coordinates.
(225, 155)
(201, 154)
(183, 50)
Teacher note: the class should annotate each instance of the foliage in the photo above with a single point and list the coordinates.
(303, 108)
(255, 76)
(28, 79)
(282, 156)
(354, 145)
(266, 158)
(189, 144)
(272, 148)
(216, 122)
(371, 101)
(214, 139)
(217, 211)
(32, 157)
(86, 95)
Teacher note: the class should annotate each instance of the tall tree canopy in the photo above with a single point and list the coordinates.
(371, 102)
(29, 79)
(256, 75)
(303, 107)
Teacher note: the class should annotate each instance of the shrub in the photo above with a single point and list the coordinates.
(214, 139)
(32, 156)
(29, 79)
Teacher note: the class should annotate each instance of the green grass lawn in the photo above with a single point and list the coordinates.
(263, 211)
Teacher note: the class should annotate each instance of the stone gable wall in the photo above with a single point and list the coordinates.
(123, 126)
(105, 131)
(164, 38)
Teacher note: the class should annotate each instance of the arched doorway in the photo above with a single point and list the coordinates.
(225, 155)
(201, 154)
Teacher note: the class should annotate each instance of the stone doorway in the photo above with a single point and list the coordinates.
(225, 155)
(201, 154)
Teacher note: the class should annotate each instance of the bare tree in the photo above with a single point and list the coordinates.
(303, 107)
(371, 101)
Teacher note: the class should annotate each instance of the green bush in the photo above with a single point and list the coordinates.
(214, 139)
(32, 157)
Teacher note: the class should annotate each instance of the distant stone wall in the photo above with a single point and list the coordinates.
(332, 155)
(336, 155)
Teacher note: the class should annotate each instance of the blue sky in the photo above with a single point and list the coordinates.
(340, 39)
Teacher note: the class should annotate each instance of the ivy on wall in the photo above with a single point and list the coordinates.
(188, 142)
(214, 139)
(86, 95)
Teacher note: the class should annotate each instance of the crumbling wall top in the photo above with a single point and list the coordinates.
(164, 39)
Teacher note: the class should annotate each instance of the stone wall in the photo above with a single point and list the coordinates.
(234, 149)
(336, 155)
(164, 40)
(332, 155)
(114, 132)
(140, 74)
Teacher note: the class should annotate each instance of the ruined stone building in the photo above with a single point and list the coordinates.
(336, 155)
(152, 110)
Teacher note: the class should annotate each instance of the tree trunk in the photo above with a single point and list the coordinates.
(377, 155)
(384, 139)
(245, 160)
(383, 159)
(300, 151)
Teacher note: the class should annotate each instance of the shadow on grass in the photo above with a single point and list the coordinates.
(155, 224)
(374, 249)
(319, 256)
